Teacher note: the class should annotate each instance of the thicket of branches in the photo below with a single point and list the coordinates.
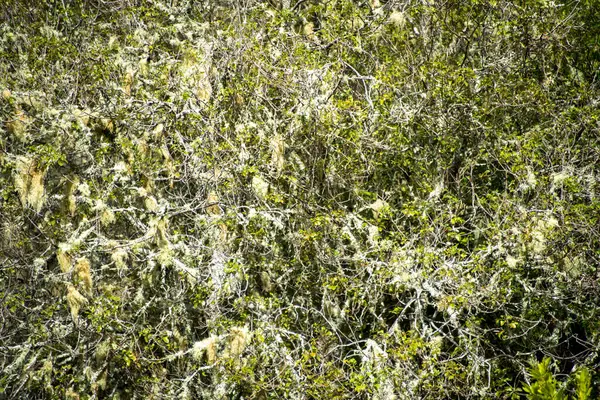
(315, 199)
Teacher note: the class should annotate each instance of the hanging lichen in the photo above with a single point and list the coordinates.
(83, 271)
(212, 204)
(206, 347)
(75, 301)
(102, 351)
(265, 281)
(64, 260)
(397, 18)
(119, 257)
(165, 256)
(36, 190)
(162, 239)
(260, 186)
(128, 81)
(46, 371)
(151, 204)
(223, 231)
(29, 182)
(107, 217)
(82, 116)
(309, 30)
(277, 153)
(238, 338)
(71, 394)
(195, 71)
(70, 201)
(17, 126)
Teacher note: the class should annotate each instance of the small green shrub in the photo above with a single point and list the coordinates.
(545, 386)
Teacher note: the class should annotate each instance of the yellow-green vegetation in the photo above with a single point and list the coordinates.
(312, 199)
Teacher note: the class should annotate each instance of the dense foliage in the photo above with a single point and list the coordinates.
(316, 199)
